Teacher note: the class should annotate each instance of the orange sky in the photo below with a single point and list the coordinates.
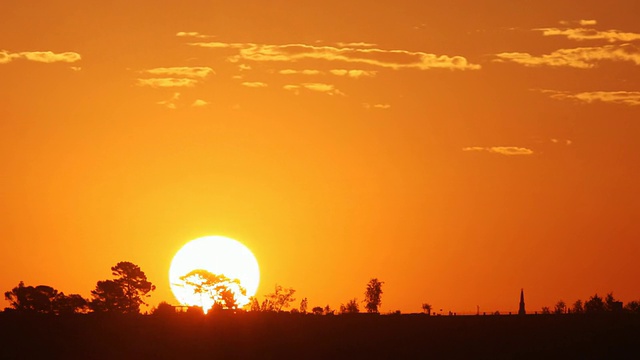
(458, 150)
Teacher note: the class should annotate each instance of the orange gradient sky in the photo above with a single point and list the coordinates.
(457, 150)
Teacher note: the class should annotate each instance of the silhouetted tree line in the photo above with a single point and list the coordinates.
(594, 305)
(123, 294)
(127, 291)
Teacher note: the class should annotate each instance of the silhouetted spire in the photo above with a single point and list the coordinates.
(522, 311)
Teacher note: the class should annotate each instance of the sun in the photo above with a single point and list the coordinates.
(218, 255)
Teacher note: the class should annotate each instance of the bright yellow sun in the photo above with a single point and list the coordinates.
(217, 255)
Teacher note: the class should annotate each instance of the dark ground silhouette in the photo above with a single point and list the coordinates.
(297, 336)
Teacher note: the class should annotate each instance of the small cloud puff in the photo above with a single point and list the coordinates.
(558, 141)
(199, 103)
(376, 106)
(254, 84)
(193, 34)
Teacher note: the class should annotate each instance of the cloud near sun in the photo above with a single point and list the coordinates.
(39, 56)
(390, 59)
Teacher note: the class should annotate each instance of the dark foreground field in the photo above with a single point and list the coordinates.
(288, 336)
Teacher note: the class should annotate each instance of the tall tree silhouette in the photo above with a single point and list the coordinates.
(373, 295)
(304, 304)
(125, 293)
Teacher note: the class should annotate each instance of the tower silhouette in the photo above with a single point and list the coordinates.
(522, 311)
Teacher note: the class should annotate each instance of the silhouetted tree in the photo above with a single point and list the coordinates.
(317, 310)
(426, 308)
(327, 310)
(221, 291)
(546, 310)
(255, 304)
(560, 307)
(32, 299)
(577, 307)
(108, 296)
(304, 304)
(594, 305)
(373, 295)
(280, 299)
(612, 304)
(633, 306)
(350, 308)
(69, 304)
(125, 293)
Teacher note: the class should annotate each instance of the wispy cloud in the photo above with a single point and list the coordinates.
(299, 72)
(376, 106)
(175, 102)
(353, 73)
(172, 102)
(193, 34)
(630, 98)
(221, 45)
(167, 82)
(582, 58)
(581, 34)
(195, 72)
(391, 59)
(559, 141)
(39, 56)
(356, 44)
(254, 84)
(502, 150)
(180, 76)
(584, 22)
(328, 89)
